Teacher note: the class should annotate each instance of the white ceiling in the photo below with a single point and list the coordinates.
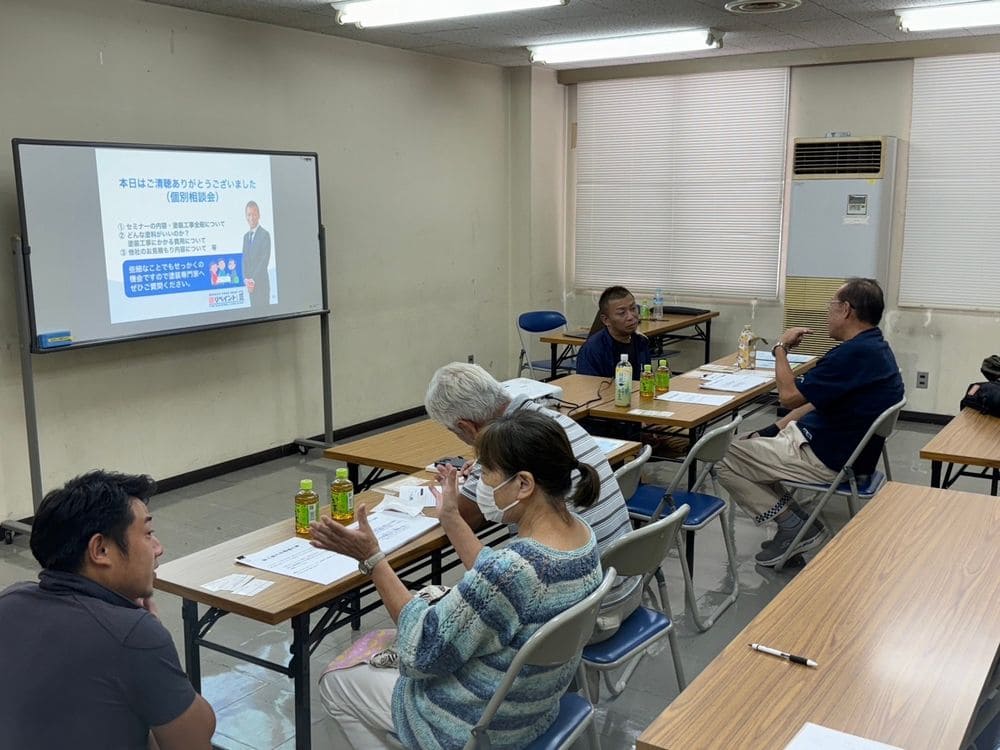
(501, 39)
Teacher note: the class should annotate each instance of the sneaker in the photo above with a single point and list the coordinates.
(812, 539)
(797, 510)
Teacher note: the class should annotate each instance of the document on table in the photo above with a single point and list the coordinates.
(694, 398)
(608, 445)
(766, 359)
(392, 486)
(814, 737)
(737, 382)
(297, 558)
(238, 583)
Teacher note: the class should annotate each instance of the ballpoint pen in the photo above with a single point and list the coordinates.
(782, 655)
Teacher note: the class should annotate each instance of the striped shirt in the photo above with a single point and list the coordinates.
(608, 517)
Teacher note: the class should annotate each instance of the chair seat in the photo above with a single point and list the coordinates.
(703, 507)
(867, 485)
(635, 631)
(573, 711)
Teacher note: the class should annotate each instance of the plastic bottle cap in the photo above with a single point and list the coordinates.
(647, 368)
(341, 473)
(305, 484)
(624, 358)
(663, 363)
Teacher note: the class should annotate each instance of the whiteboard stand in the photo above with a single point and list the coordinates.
(28, 387)
(304, 444)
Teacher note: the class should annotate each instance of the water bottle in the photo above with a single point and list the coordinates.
(306, 508)
(658, 304)
(663, 377)
(647, 385)
(746, 351)
(342, 498)
(623, 383)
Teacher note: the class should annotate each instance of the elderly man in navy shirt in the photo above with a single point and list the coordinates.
(833, 406)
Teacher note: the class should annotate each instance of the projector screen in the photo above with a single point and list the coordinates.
(132, 241)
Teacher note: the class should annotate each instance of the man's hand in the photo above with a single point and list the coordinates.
(147, 603)
(250, 285)
(793, 336)
(359, 543)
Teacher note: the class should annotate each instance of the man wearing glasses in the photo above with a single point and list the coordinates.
(832, 408)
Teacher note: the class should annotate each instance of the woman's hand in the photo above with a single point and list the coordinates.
(359, 543)
(447, 496)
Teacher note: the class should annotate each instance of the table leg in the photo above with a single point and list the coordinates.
(555, 360)
(693, 436)
(708, 341)
(300, 669)
(935, 473)
(353, 474)
(192, 655)
(995, 481)
(436, 567)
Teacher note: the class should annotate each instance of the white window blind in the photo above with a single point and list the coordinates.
(951, 241)
(679, 183)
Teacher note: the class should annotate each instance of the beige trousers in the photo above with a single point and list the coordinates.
(752, 469)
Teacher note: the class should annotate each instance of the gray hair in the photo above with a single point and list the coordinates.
(463, 391)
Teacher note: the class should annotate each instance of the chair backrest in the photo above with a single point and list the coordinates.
(641, 551)
(541, 321)
(883, 426)
(558, 641)
(710, 449)
(629, 474)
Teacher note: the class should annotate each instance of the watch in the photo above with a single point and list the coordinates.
(781, 344)
(367, 566)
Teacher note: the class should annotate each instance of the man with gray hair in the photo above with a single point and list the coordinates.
(465, 399)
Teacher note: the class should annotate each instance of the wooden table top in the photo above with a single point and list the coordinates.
(288, 596)
(587, 391)
(406, 449)
(678, 414)
(654, 327)
(412, 448)
(901, 610)
(970, 438)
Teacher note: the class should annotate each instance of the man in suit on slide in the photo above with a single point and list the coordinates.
(256, 257)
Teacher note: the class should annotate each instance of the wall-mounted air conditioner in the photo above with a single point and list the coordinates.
(840, 224)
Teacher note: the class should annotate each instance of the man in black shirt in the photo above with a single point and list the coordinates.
(88, 663)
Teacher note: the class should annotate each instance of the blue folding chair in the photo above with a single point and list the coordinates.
(847, 483)
(649, 502)
(538, 323)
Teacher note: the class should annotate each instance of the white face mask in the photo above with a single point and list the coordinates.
(487, 505)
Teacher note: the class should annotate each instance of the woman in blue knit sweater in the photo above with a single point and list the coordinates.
(453, 653)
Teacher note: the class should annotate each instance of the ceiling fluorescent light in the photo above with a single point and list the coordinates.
(370, 13)
(960, 16)
(639, 45)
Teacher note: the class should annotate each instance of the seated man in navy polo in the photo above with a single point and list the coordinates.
(88, 663)
(832, 408)
(602, 351)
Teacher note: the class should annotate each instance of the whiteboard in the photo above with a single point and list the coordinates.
(125, 241)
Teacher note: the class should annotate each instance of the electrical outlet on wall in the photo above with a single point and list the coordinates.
(922, 379)
(472, 360)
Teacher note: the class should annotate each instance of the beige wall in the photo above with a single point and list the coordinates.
(414, 182)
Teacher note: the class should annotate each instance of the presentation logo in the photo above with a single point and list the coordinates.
(226, 299)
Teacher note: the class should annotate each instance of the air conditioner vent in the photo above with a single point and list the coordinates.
(838, 158)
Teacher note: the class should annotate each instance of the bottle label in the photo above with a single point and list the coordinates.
(342, 502)
(305, 514)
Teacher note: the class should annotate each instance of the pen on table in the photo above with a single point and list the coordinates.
(782, 655)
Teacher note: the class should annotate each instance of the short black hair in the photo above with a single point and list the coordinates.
(609, 295)
(98, 502)
(254, 204)
(865, 297)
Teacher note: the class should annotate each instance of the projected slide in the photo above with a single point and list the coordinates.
(186, 232)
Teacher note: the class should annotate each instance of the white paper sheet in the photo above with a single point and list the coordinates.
(694, 398)
(650, 413)
(814, 737)
(411, 500)
(392, 486)
(608, 445)
(227, 583)
(297, 558)
(737, 382)
(766, 359)
(253, 587)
